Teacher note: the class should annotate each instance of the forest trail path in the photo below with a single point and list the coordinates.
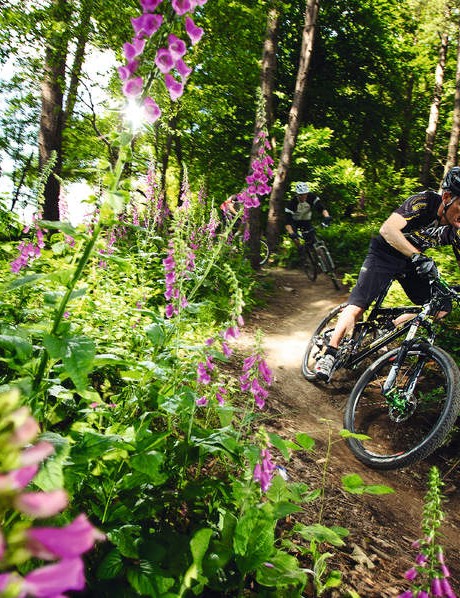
(382, 528)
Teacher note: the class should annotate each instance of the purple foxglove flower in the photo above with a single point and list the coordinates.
(249, 362)
(150, 5)
(265, 371)
(421, 559)
(37, 453)
(146, 25)
(131, 50)
(176, 46)
(26, 430)
(41, 504)
(18, 478)
(175, 88)
(183, 69)
(440, 556)
(201, 402)
(182, 6)
(240, 321)
(202, 374)
(194, 32)
(152, 111)
(65, 542)
(52, 580)
(411, 574)
(245, 384)
(220, 395)
(8, 579)
(447, 589)
(209, 341)
(132, 88)
(164, 60)
(423, 594)
(406, 594)
(436, 587)
(226, 350)
(170, 310)
(2, 548)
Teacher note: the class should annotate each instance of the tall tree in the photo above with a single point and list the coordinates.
(52, 110)
(264, 117)
(434, 110)
(279, 186)
(452, 151)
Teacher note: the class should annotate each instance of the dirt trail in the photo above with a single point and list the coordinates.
(382, 528)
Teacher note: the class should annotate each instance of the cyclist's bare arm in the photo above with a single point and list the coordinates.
(391, 232)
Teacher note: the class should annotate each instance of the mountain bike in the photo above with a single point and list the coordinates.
(316, 257)
(406, 402)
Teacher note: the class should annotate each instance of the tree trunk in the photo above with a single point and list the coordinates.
(275, 214)
(452, 150)
(434, 111)
(82, 33)
(264, 121)
(51, 118)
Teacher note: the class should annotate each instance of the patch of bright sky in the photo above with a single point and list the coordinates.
(98, 67)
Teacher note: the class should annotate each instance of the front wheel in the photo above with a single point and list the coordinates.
(319, 341)
(414, 418)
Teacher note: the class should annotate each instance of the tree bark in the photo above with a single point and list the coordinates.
(51, 118)
(434, 111)
(452, 151)
(264, 120)
(275, 214)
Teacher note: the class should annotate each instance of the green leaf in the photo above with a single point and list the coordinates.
(21, 282)
(253, 540)
(77, 355)
(319, 533)
(305, 441)
(126, 539)
(198, 547)
(150, 464)
(16, 344)
(156, 334)
(280, 444)
(354, 484)
(281, 570)
(111, 565)
(348, 434)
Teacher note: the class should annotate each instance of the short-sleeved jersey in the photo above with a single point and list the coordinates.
(423, 228)
(301, 211)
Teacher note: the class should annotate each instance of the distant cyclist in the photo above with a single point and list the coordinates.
(230, 207)
(422, 221)
(299, 212)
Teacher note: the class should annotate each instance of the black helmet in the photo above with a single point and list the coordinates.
(451, 181)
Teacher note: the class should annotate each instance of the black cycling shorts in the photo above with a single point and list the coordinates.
(376, 272)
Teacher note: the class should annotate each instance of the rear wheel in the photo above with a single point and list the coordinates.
(309, 263)
(264, 252)
(409, 423)
(327, 265)
(319, 341)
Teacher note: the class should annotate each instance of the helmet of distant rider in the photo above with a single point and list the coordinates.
(451, 181)
(302, 188)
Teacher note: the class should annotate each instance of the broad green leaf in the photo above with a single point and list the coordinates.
(16, 344)
(150, 464)
(281, 570)
(77, 354)
(21, 282)
(348, 434)
(354, 484)
(254, 539)
(305, 441)
(126, 539)
(111, 565)
(319, 533)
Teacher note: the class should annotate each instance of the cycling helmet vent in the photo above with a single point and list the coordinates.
(302, 188)
(452, 181)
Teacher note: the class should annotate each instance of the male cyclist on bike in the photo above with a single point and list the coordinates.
(424, 220)
(299, 212)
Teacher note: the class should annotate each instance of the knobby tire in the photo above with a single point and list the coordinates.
(310, 264)
(403, 436)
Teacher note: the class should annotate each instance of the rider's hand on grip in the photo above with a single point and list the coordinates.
(424, 266)
(326, 221)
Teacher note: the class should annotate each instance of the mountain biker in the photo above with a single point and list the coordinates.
(424, 220)
(299, 212)
(229, 207)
